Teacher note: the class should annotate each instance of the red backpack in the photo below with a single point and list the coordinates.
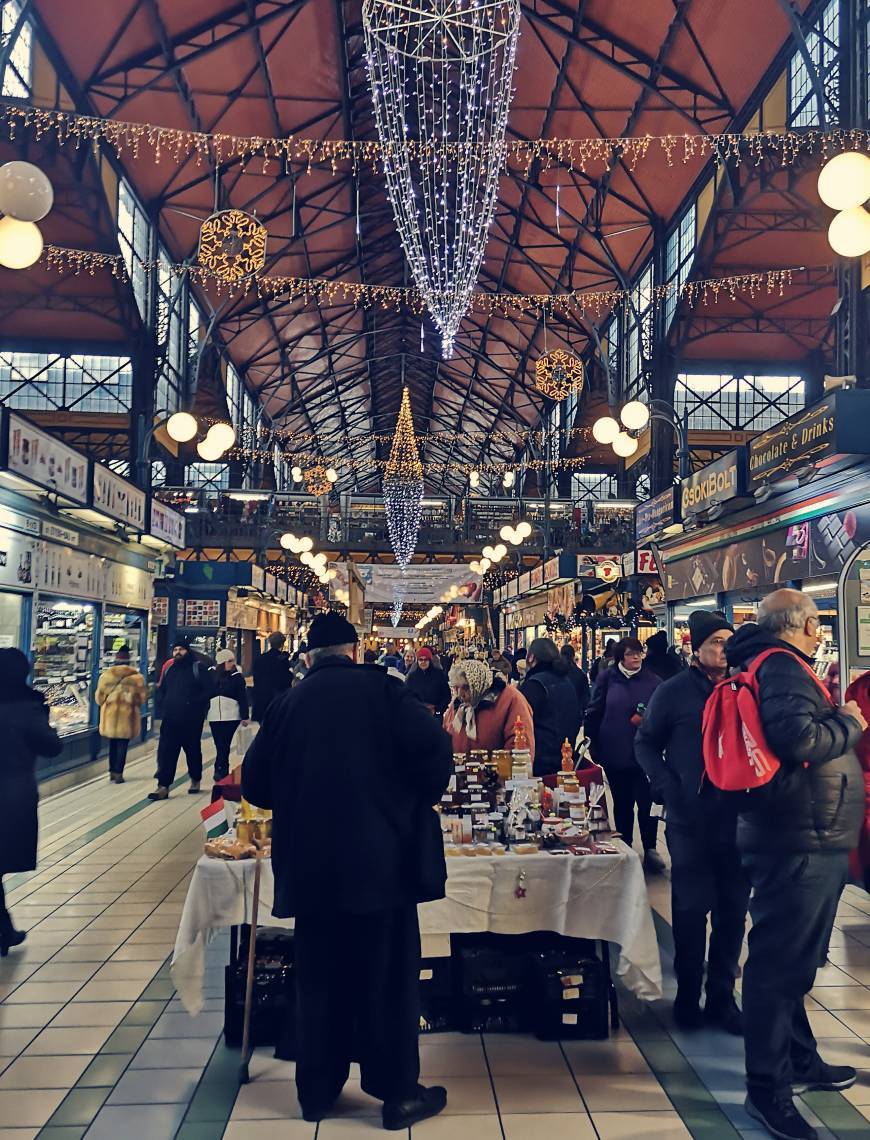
(737, 758)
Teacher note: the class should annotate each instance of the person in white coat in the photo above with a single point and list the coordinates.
(228, 708)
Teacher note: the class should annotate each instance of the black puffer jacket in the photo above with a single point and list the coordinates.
(815, 802)
(668, 747)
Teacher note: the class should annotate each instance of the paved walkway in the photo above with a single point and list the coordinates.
(94, 1044)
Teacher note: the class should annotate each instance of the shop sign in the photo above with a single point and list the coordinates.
(513, 587)
(836, 425)
(17, 560)
(258, 577)
(271, 586)
(560, 600)
(128, 586)
(60, 533)
(608, 571)
(116, 497)
(718, 482)
(160, 611)
(651, 517)
(71, 573)
(524, 583)
(537, 577)
(240, 615)
(639, 562)
(15, 520)
(551, 569)
(40, 458)
(587, 564)
(167, 525)
(282, 589)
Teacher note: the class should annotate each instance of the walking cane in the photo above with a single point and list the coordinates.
(247, 1050)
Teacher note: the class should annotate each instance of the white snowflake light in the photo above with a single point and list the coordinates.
(441, 71)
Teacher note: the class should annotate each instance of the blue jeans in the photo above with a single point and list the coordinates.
(793, 907)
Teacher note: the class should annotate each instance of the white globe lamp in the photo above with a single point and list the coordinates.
(844, 182)
(624, 445)
(20, 243)
(635, 415)
(181, 426)
(848, 233)
(206, 450)
(26, 193)
(605, 430)
(332, 475)
(523, 530)
(221, 435)
(288, 541)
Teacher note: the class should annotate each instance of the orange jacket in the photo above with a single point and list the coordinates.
(495, 723)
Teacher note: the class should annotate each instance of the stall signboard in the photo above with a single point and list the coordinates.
(128, 586)
(71, 573)
(651, 517)
(167, 525)
(837, 425)
(721, 481)
(240, 615)
(18, 555)
(589, 565)
(513, 587)
(40, 458)
(15, 520)
(524, 583)
(551, 569)
(271, 586)
(258, 578)
(282, 589)
(639, 562)
(160, 611)
(561, 600)
(537, 577)
(117, 497)
(59, 533)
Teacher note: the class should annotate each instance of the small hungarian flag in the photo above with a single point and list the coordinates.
(214, 819)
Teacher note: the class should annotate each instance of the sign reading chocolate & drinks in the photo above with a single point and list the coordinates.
(836, 425)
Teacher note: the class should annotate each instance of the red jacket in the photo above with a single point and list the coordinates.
(495, 723)
(859, 691)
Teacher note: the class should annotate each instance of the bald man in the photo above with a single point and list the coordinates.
(794, 836)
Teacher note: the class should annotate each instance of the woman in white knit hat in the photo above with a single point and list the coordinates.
(227, 709)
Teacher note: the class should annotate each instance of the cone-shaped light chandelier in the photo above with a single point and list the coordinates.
(441, 71)
(403, 486)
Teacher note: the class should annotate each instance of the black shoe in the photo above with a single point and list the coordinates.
(315, 1115)
(687, 1013)
(10, 938)
(828, 1078)
(160, 794)
(724, 1015)
(402, 1114)
(778, 1114)
(193, 790)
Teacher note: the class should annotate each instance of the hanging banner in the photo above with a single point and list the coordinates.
(421, 585)
(129, 586)
(40, 458)
(116, 497)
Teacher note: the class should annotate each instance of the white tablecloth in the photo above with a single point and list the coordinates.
(596, 896)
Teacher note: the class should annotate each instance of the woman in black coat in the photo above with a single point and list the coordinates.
(26, 735)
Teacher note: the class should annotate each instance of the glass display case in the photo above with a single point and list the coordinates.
(63, 661)
(121, 628)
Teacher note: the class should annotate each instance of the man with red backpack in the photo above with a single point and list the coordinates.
(795, 831)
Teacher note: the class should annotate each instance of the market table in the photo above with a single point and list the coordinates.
(601, 897)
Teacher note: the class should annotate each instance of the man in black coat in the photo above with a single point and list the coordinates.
(554, 703)
(706, 875)
(183, 694)
(577, 678)
(271, 675)
(352, 876)
(659, 659)
(794, 834)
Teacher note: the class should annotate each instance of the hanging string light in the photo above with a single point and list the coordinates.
(442, 71)
(403, 487)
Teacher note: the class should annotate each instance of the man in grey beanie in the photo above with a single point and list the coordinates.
(706, 875)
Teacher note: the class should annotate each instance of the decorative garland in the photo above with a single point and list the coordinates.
(293, 442)
(436, 467)
(69, 128)
(320, 291)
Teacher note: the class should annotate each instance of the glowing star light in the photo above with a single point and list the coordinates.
(441, 77)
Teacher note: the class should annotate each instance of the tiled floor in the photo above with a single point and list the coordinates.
(94, 1044)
